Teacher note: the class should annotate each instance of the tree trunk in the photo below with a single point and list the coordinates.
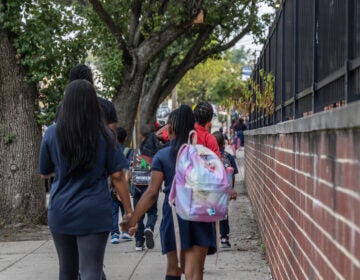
(22, 192)
(148, 106)
(126, 102)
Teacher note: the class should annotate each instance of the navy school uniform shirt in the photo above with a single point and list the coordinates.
(163, 162)
(80, 205)
(191, 233)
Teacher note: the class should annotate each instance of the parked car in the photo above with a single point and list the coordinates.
(163, 112)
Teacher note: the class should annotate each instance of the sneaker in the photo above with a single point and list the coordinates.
(126, 236)
(149, 238)
(225, 243)
(139, 246)
(115, 238)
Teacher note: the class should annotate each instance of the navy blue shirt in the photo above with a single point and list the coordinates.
(79, 205)
(165, 161)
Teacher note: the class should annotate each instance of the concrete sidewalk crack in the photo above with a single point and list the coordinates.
(23, 257)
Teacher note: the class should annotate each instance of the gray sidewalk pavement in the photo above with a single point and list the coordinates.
(37, 260)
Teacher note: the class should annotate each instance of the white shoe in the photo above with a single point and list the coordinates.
(126, 236)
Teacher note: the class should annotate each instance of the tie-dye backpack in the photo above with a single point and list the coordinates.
(200, 190)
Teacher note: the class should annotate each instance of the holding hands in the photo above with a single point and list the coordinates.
(126, 226)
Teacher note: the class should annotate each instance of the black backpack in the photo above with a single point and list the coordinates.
(140, 169)
(142, 158)
(225, 159)
(151, 144)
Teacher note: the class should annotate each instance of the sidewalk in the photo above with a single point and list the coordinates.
(37, 260)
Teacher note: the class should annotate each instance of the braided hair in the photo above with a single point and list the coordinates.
(182, 122)
(203, 113)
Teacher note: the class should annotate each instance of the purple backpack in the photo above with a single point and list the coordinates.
(200, 190)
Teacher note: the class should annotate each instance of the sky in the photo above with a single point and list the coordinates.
(248, 41)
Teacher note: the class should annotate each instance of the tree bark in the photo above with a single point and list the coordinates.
(127, 99)
(22, 192)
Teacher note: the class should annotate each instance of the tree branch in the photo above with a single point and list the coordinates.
(161, 74)
(221, 48)
(187, 63)
(134, 19)
(151, 47)
(107, 20)
(193, 58)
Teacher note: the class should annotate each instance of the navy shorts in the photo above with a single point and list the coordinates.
(191, 233)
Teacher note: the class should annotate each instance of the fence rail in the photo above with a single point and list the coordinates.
(313, 51)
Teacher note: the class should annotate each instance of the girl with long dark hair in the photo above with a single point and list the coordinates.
(81, 151)
(196, 238)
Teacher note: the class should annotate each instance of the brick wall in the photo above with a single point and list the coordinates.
(303, 179)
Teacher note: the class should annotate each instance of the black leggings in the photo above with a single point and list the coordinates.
(84, 253)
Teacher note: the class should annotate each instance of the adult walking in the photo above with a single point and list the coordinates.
(81, 152)
(82, 71)
(240, 127)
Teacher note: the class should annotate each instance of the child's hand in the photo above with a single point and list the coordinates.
(125, 225)
(118, 197)
(233, 195)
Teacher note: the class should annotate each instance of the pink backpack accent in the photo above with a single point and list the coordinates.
(200, 190)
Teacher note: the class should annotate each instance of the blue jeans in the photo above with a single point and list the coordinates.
(137, 192)
(116, 204)
(240, 134)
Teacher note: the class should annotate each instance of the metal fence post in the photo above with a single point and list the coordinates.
(315, 58)
(295, 11)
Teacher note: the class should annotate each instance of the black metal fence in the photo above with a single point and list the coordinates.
(313, 51)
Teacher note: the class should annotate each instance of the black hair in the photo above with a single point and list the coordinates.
(81, 71)
(146, 129)
(121, 134)
(203, 113)
(79, 126)
(219, 138)
(182, 122)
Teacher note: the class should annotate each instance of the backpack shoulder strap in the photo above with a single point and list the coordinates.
(177, 234)
(136, 152)
(126, 151)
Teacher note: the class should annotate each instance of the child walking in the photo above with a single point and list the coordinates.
(197, 239)
(116, 201)
(228, 161)
(234, 142)
(145, 231)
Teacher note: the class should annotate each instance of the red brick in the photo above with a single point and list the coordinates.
(306, 164)
(355, 272)
(324, 219)
(325, 194)
(351, 176)
(345, 144)
(348, 237)
(304, 144)
(326, 169)
(348, 206)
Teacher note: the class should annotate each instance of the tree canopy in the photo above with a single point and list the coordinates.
(218, 81)
(142, 49)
